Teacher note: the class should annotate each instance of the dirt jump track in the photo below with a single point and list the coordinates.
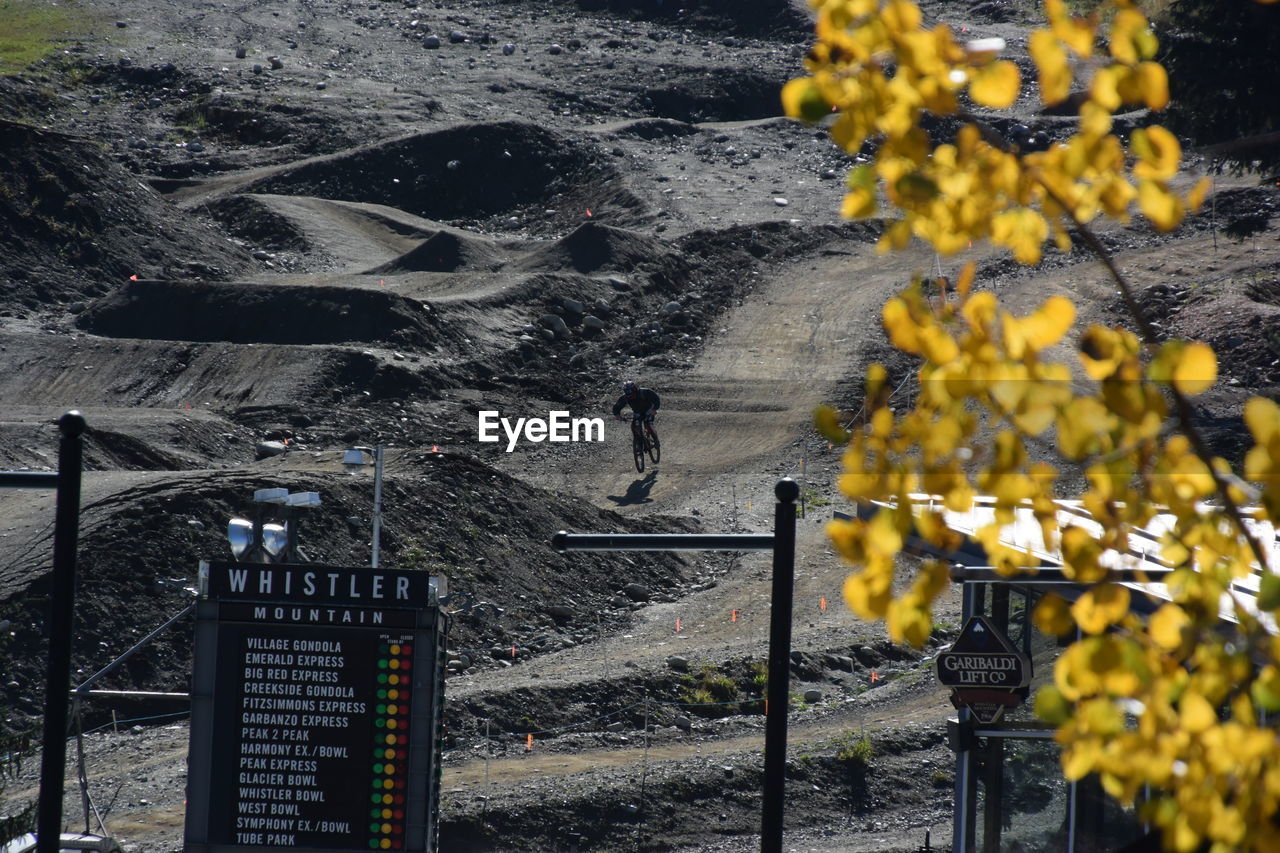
(242, 238)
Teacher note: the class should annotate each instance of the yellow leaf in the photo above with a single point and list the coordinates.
(996, 84)
(1046, 326)
(1196, 370)
(1262, 417)
(1153, 82)
(965, 282)
(1051, 706)
(802, 99)
(1195, 198)
(1158, 152)
(1076, 33)
(1021, 230)
(869, 597)
(858, 204)
(827, 420)
(904, 332)
(1166, 626)
(1159, 205)
(1195, 713)
(1265, 689)
(1052, 66)
(908, 622)
(1052, 616)
(1104, 89)
(1101, 607)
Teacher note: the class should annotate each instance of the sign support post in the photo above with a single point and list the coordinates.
(783, 544)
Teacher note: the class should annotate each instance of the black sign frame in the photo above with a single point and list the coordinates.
(982, 656)
(301, 678)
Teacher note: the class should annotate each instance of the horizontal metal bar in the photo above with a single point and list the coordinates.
(563, 541)
(136, 694)
(28, 479)
(1050, 576)
(1015, 733)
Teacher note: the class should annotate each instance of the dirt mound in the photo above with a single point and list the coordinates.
(704, 95)
(592, 247)
(445, 251)
(72, 221)
(251, 220)
(468, 173)
(775, 18)
(253, 313)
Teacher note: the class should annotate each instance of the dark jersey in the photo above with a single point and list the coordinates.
(645, 402)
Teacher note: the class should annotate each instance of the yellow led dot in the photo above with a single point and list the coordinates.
(393, 694)
(385, 844)
(395, 650)
(392, 709)
(386, 814)
(390, 738)
(387, 799)
(386, 827)
(389, 753)
(388, 784)
(394, 679)
(391, 724)
(395, 664)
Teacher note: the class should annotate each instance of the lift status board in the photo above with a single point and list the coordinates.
(318, 730)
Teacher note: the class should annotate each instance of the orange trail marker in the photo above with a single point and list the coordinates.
(822, 603)
(513, 652)
(875, 676)
(435, 449)
(528, 744)
(133, 277)
(588, 211)
(677, 626)
(733, 616)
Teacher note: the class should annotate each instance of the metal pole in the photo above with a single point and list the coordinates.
(377, 506)
(53, 763)
(775, 731)
(962, 818)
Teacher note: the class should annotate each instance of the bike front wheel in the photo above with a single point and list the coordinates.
(637, 448)
(655, 448)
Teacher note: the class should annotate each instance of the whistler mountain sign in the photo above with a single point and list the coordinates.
(316, 710)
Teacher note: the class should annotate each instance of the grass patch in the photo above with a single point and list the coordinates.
(31, 30)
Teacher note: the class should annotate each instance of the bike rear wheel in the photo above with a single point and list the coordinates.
(655, 448)
(637, 448)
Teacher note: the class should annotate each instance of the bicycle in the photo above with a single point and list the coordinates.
(644, 441)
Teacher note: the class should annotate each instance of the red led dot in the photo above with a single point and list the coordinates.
(399, 799)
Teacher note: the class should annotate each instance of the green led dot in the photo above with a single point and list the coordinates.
(376, 798)
(382, 678)
(373, 844)
(377, 784)
(382, 663)
(382, 693)
(377, 768)
(373, 827)
(375, 812)
(380, 723)
(381, 708)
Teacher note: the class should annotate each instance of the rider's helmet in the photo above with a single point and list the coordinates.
(630, 388)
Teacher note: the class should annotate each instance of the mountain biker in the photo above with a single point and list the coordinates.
(644, 404)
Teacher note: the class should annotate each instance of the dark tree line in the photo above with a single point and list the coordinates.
(1223, 57)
